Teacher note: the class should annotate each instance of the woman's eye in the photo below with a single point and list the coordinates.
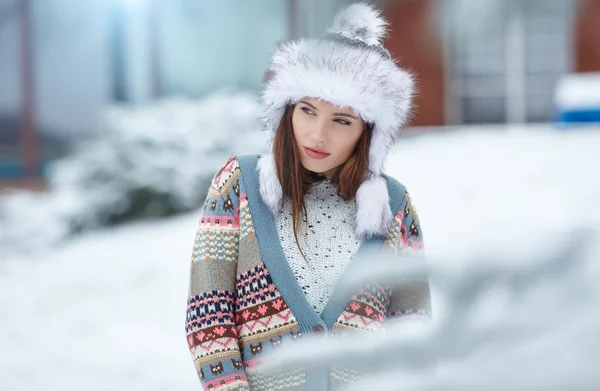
(343, 122)
(307, 110)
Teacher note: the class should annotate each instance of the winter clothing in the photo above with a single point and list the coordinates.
(244, 300)
(350, 68)
(327, 239)
(249, 293)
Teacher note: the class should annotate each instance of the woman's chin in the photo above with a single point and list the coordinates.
(316, 168)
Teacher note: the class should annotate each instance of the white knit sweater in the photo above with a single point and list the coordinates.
(328, 241)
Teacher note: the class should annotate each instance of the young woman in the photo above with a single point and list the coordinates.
(280, 230)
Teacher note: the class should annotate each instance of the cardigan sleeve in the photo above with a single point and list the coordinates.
(410, 298)
(210, 319)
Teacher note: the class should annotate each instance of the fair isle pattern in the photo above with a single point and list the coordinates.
(405, 232)
(223, 243)
(227, 178)
(371, 305)
(209, 309)
(234, 382)
(236, 315)
(261, 311)
(219, 274)
(341, 377)
(258, 352)
(288, 381)
(410, 231)
(410, 208)
(210, 322)
(254, 287)
(366, 310)
(411, 299)
(223, 348)
(262, 317)
(249, 249)
(375, 296)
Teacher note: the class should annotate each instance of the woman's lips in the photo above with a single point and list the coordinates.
(314, 154)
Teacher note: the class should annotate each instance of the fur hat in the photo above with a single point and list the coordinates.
(347, 67)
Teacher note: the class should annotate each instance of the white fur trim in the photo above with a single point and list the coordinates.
(269, 185)
(373, 213)
(348, 76)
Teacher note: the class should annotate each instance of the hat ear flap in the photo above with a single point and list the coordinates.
(373, 212)
(269, 187)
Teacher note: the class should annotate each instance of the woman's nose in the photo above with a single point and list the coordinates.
(319, 132)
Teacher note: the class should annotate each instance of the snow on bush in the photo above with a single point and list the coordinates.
(146, 161)
(507, 322)
(511, 225)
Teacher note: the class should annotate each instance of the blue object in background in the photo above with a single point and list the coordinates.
(578, 116)
(13, 169)
(577, 99)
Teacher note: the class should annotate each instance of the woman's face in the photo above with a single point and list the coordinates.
(325, 134)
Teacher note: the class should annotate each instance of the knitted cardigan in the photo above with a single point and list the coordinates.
(244, 301)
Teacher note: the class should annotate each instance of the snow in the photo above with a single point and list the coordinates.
(510, 220)
(578, 91)
(103, 312)
(148, 161)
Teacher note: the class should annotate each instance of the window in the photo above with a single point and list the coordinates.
(505, 63)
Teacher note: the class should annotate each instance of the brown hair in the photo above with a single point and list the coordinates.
(296, 180)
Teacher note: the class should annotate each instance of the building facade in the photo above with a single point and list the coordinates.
(492, 61)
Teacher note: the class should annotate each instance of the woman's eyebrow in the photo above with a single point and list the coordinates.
(345, 115)
(306, 103)
(342, 114)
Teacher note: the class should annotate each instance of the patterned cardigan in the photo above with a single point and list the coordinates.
(244, 300)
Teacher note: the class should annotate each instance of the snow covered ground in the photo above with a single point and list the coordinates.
(106, 311)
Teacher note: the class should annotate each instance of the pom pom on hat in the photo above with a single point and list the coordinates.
(360, 21)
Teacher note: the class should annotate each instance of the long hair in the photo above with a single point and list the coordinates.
(296, 180)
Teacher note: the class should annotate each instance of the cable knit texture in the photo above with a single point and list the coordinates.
(327, 240)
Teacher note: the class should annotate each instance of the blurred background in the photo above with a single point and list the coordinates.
(115, 115)
(62, 62)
